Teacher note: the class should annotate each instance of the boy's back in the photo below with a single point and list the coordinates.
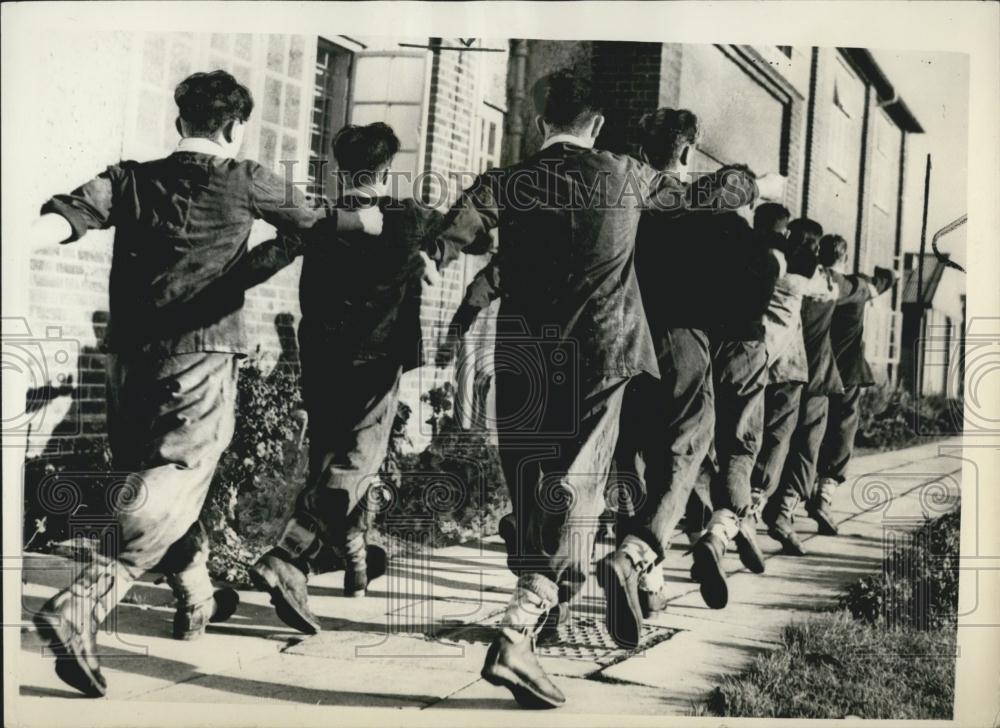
(567, 219)
(362, 292)
(180, 223)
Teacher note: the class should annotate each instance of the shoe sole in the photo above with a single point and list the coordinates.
(283, 606)
(227, 601)
(524, 695)
(750, 555)
(70, 668)
(788, 547)
(376, 564)
(825, 526)
(625, 629)
(707, 571)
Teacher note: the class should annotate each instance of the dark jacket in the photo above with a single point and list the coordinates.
(848, 328)
(181, 223)
(360, 295)
(817, 318)
(564, 270)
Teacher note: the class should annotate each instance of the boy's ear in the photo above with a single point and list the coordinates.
(179, 126)
(540, 125)
(685, 155)
(597, 125)
(229, 131)
(385, 175)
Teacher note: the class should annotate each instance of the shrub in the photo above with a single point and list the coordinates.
(918, 584)
(51, 502)
(451, 492)
(892, 418)
(261, 472)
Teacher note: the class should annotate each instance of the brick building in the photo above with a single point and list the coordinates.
(444, 97)
(827, 120)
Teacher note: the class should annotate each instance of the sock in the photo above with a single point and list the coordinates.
(533, 596)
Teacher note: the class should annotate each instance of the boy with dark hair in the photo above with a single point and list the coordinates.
(565, 261)
(798, 476)
(747, 268)
(667, 421)
(180, 224)
(787, 368)
(360, 330)
(847, 339)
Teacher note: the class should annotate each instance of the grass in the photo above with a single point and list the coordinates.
(834, 666)
(887, 652)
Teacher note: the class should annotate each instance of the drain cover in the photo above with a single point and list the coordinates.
(579, 638)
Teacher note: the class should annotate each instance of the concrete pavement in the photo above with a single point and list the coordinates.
(418, 640)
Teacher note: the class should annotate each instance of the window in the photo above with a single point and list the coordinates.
(490, 126)
(844, 143)
(329, 110)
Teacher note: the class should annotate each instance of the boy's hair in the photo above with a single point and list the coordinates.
(362, 152)
(832, 250)
(664, 133)
(804, 231)
(206, 102)
(767, 216)
(566, 99)
(730, 187)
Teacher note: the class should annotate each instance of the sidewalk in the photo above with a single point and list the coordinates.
(418, 640)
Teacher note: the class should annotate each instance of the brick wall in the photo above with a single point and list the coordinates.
(459, 83)
(627, 76)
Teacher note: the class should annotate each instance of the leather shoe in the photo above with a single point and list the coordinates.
(190, 621)
(623, 616)
(362, 569)
(826, 525)
(782, 531)
(747, 548)
(708, 571)
(275, 574)
(515, 666)
(72, 644)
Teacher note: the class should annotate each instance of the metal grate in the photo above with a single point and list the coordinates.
(579, 638)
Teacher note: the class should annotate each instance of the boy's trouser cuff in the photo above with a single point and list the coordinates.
(724, 523)
(191, 586)
(299, 539)
(533, 597)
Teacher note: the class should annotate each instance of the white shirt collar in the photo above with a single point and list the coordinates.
(200, 145)
(568, 139)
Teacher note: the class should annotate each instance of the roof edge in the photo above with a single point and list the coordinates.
(889, 100)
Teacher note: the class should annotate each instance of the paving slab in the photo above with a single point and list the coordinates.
(417, 641)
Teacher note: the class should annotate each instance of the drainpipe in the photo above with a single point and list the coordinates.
(515, 124)
(920, 283)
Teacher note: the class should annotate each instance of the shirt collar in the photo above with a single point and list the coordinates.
(567, 139)
(200, 145)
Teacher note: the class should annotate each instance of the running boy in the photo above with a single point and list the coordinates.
(180, 223)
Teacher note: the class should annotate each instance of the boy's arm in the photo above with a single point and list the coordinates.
(466, 227)
(284, 206)
(860, 288)
(67, 218)
(483, 290)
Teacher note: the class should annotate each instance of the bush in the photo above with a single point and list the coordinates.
(453, 491)
(260, 474)
(918, 585)
(51, 501)
(888, 653)
(892, 418)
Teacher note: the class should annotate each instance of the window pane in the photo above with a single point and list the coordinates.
(292, 94)
(276, 53)
(272, 100)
